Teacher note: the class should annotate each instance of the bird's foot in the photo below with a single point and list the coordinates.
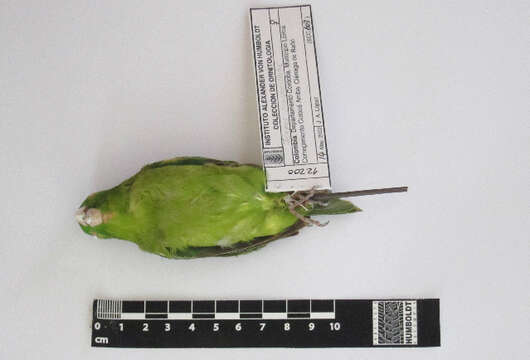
(303, 199)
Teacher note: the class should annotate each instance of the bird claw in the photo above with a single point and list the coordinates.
(297, 199)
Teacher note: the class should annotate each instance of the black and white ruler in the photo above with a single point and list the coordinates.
(266, 323)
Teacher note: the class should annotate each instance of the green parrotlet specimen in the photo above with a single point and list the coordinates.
(189, 207)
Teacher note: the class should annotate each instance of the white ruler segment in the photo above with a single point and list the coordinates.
(293, 138)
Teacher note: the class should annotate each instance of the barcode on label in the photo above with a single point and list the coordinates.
(395, 322)
(293, 137)
(273, 157)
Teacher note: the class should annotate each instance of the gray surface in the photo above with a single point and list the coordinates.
(433, 95)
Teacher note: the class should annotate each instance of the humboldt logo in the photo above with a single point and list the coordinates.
(409, 322)
(395, 322)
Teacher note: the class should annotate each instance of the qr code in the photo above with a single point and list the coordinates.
(273, 157)
(395, 322)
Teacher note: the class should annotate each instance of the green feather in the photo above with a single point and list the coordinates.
(190, 207)
(334, 207)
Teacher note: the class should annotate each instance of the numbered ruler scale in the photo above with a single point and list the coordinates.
(265, 323)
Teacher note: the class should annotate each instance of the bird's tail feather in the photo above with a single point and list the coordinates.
(332, 207)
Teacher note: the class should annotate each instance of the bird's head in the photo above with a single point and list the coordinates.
(93, 214)
(89, 216)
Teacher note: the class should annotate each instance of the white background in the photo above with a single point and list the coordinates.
(429, 94)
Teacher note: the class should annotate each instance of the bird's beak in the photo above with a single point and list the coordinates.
(88, 217)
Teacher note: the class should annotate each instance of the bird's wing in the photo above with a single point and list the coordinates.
(189, 160)
(236, 249)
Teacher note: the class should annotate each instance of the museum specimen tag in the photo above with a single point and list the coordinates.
(293, 138)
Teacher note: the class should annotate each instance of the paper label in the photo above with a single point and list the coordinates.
(293, 138)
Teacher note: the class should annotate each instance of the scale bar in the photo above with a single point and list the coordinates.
(212, 309)
(218, 316)
(280, 323)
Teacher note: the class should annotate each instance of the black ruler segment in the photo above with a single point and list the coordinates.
(204, 306)
(322, 305)
(177, 306)
(156, 306)
(266, 323)
(274, 306)
(227, 306)
(250, 306)
(298, 306)
(133, 306)
(156, 316)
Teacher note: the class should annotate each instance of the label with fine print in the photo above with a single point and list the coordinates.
(293, 139)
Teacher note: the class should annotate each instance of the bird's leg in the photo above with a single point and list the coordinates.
(306, 219)
(308, 199)
(301, 202)
(298, 199)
